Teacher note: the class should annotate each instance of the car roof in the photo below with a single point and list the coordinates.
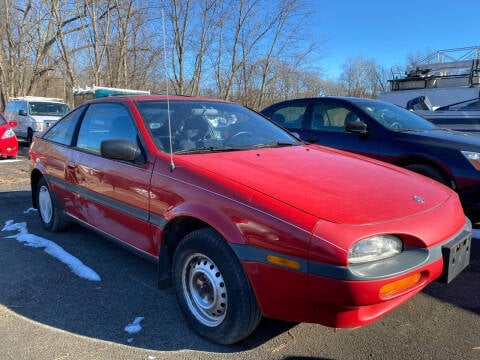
(142, 97)
(344, 98)
(348, 99)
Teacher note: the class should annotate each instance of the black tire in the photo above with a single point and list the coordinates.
(51, 215)
(430, 172)
(29, 136)
(212, 289)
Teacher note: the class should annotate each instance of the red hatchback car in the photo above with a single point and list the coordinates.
(8, 140)
(244, 219)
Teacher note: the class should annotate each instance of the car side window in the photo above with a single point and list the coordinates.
(329, 117)
(105, 122)
(22, 106)
(290, 116)
(63, 130)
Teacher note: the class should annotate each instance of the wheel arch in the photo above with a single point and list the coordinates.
(185, 221)
(414, 160)
(35, 177)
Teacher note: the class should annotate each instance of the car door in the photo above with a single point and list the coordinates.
(323, 122)
(113, 196)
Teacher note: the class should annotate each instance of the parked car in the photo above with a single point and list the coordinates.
(8, 140)
(389, 133)
(243, 218)
(34, 114)
(461, 116)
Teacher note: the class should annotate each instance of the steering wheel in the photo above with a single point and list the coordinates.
(395, 126)
(236, 139)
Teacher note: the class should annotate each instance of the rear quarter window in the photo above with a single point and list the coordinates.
(64, 130)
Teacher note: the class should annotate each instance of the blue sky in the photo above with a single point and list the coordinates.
(388, 31)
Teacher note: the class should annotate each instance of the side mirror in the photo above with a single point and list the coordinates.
(357, 126)
(121, 149)
(22, 113)
(12, 123)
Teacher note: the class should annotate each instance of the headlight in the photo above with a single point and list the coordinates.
(374, 248)
(8, 134)
(473, 158)
(38, 126)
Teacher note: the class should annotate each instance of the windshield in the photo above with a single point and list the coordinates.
(201, 126)
(472, 104)
(394, 117)
(48, 108)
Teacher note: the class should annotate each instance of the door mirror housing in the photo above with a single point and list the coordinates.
(357, 126)
(122, 149)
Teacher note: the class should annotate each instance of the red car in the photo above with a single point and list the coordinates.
(244, 219)
(8, 140)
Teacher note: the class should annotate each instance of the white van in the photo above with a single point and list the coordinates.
(34, 114)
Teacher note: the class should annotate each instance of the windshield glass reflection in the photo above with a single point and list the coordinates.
(202, 126)
(394, 117)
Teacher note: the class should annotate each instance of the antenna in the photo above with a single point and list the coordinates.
(172, 164)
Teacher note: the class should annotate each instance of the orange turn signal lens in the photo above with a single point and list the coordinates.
(398, 286)
(280, 261)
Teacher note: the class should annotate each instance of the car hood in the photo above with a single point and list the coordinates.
(47, 118)
(329, 184)
(445, 137)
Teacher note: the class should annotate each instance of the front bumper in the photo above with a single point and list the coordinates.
(350, 296)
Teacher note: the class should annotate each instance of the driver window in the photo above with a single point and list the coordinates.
(329, 117)
(105, 122)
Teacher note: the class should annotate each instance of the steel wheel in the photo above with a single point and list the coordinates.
(212, 288)
(45, 204)
(50, 212)
(204, 289)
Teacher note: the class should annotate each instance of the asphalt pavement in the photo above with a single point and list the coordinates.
(48, 312)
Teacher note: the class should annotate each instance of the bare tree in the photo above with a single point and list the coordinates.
(251, 51)
(363, 78)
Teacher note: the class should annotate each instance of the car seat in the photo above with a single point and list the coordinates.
(192, 132)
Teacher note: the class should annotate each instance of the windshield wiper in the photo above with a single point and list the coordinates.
(409, 129)
(206, 149)
(276, 144)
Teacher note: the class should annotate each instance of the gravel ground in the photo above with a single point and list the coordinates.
(14, 173)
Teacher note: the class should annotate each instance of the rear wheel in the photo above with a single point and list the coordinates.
(51, 216)
(29, 136)
(429, 171)
(212, 289)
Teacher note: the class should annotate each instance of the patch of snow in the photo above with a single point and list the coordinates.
(51, 248)
(135, 326)
(30, 210)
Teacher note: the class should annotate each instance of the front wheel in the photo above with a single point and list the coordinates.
(429, 171)
(29, 136)
(212, 289)
(51, 216)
